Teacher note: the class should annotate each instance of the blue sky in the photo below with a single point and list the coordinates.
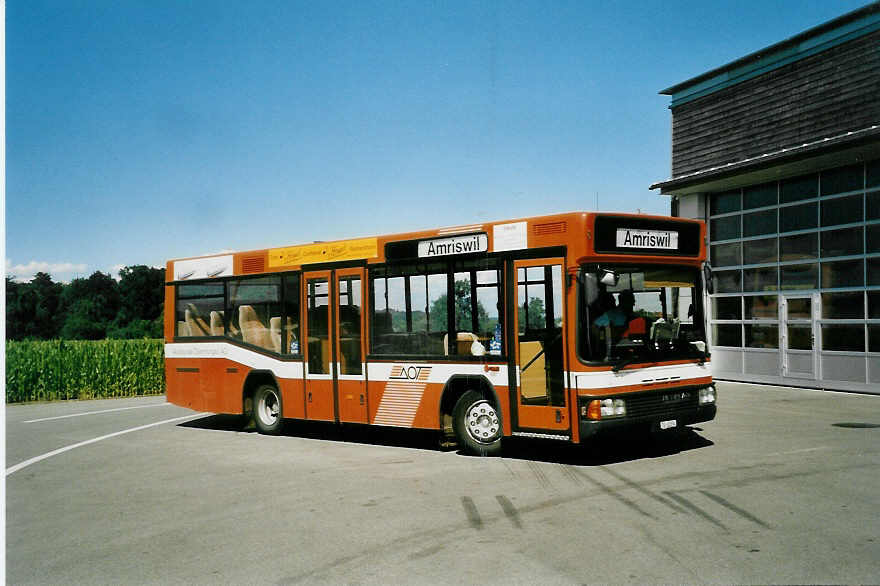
(139, 131)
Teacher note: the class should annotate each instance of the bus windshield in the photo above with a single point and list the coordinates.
(632, 314)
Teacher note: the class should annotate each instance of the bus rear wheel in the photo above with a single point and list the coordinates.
(267, 410)
(477, 425)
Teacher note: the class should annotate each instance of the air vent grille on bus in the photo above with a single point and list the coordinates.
(253, 264)
(550, 228)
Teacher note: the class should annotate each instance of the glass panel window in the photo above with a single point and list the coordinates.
(873, 271)
(800, 308)
(873, 173)
(477, 312)
(843, 179)
(726, 308)
(725, 255)
(799, 246)
(843, 305)
(799, 217)
(842, 242)
(873, 338)
(722, 203)
(843, 273)
(254, 310)
(350, 305)
(842, 210)
(872, 238)
(759, 196)
(725, 228)
(199, 310)
(758, 223)
(844, 337)
(873, 304)
(762, 307)
(800, 337)
(760, 279)
(761, 336)
(292, 335)
(410, 311)
(727, 335)
(799, 188)
(800, 276)
(727, 281)
(872, 206)
(759, 251)
(318, 320)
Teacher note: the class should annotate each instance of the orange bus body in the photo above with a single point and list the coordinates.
(342, 331)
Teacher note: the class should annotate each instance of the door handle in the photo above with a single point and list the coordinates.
(310, 397)
(362, 399)
(558, 416)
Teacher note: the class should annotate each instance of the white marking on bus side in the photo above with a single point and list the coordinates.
(48, 455)
(94, 412)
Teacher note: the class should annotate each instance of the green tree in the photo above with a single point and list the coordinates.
(89, 307)
(32, 308)
(141, 294)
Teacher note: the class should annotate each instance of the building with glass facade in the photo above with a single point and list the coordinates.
(780, 153)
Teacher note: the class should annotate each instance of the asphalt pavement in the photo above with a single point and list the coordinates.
(781, 488)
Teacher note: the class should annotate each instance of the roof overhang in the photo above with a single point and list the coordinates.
(852, 147)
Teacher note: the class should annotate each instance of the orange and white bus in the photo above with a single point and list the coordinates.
(560, 327)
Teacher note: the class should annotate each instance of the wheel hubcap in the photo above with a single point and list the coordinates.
(482, 422)
(268, 408)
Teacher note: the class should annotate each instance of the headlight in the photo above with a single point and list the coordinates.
(707, 395)
(604, 409)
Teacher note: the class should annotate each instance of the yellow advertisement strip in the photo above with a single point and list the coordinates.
(324, 252)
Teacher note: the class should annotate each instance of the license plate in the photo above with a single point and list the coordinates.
(668, 424)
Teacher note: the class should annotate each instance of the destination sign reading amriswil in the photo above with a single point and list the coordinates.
(662, 239)
(454, 245)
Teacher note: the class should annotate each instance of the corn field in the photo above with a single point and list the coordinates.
(62, 369)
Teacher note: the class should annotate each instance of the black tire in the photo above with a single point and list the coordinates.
(477, 424)
(267, 410)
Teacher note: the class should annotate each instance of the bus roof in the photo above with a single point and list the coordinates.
(549, 231)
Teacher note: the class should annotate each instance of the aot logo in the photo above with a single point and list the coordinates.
(414, 373)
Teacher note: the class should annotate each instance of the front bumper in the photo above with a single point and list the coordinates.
(648, 410)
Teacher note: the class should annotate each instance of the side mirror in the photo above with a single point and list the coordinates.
(609, 278)
(707, 279)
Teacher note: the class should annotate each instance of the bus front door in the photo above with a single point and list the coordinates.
(540, 346)
(351, 384)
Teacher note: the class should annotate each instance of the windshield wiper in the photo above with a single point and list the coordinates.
(624, 362)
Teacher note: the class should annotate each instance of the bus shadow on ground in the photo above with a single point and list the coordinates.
(595, 452)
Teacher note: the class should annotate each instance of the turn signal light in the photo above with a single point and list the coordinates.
(603, 409)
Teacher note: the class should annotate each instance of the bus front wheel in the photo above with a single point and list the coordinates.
(267, 410)
(477, 425)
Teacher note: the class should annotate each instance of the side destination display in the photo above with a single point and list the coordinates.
(454, 245)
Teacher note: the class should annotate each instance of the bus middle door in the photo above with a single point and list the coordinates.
(317, 347)
(351, 384)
